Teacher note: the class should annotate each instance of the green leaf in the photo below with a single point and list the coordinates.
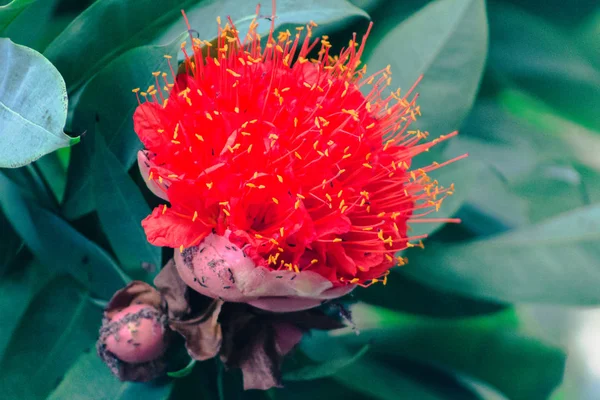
(576, 141)
(555, 261)
(49, 19)
(324, 370)
(389, 380)
(182, 373)
(31, 185)
(297, 12)
(33, 106)
(11, 11)
(90, 379)
(527, 154)
(17, 289)
(10, 245)
(58, 325)
(325, 388)
(111, 28)
(446, 42)
(483, 348)
(108, 105)
(58, 245)
(404, 294)
(543, 60)
(121, 208)
(53, 172)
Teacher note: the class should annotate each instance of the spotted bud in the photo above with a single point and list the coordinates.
(136, 334)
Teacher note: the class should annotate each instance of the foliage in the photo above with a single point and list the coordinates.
(523, 89)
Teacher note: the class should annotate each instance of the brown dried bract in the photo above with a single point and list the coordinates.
(245, 337)
(192, 315)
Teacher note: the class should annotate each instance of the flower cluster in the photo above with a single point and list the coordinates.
(288, 173)
(291, 155)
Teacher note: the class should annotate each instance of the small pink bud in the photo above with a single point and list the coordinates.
(138, 335)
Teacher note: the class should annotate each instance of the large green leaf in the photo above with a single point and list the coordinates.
(587, 36)
(10, 244)
(31, 185)
(108, 104)
(58, 245)
(577, 141)
(90, 379)
(111, 28)
(325, 388)
(33, 106)
(38, 24)
(404, 294)
(527, 154)
(326, 369)
(202, 16)
(556, 12)
(397, 378)
(17, 289)
(446, 42)
(121, 208)
(58, 325)
(483, 348)
(555, 261)
(54, 174)
(10, 11)
(543, 60)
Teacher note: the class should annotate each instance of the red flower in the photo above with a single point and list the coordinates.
(285, 155)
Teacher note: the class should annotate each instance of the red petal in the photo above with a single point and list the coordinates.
(172, 230)
(147, 120)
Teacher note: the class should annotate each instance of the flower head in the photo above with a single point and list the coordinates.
(288, 153)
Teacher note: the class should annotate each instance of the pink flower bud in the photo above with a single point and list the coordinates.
(219, 269)
(134, 335)
(138, 334)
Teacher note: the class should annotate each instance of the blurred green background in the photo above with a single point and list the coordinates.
(491, 307)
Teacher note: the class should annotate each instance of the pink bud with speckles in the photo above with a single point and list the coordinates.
(138, 334)
(135, 335)
(219, 269)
